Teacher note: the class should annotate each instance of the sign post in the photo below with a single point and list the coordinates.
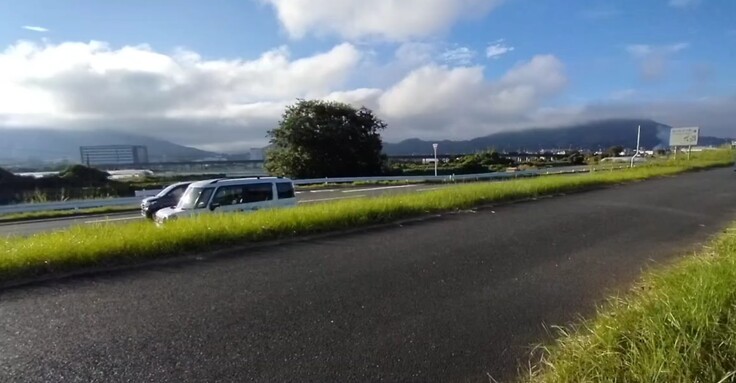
(684, 137)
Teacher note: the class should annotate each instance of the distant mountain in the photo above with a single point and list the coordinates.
(21, 145)
(593, 135)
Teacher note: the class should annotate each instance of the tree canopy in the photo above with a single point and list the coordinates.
(318, 139)
(614, 151)
(83, 175)
(6, 176)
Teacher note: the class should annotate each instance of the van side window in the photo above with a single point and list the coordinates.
(228, 195)
(203, 198)
(257, 192)
(285, 190)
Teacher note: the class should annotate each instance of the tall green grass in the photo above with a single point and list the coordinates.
(121, 243)
(678, 325)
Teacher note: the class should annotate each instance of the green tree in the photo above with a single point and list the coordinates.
(614, 151)
(6, 176)
(576, 158)
(483, 161)
(318, 139)
(82, 175)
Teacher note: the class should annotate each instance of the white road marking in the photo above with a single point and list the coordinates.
(332, 199)
(378, 188)
(322, 190)
(113, 219)
(428, 189)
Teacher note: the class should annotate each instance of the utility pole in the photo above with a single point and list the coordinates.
(434, 146)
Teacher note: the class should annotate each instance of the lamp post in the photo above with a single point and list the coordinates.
(434, 146)
(638, 137)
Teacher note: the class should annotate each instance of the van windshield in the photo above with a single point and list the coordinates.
(167, 190)
(195, 198)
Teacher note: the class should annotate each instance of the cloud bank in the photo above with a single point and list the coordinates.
(229, 105)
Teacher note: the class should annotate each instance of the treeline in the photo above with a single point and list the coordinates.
(482, 162)
(74, 182)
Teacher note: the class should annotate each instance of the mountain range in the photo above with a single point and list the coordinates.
(593, 135)
(48, 145)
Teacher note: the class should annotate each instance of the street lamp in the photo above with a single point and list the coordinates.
(638, 138)
(434, 146)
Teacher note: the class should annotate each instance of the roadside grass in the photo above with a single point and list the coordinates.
(347, 185)
(677, 325)
(105, 244)
(45, 214)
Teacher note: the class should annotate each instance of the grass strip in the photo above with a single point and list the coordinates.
(677, 325)
(105, 244)
(347, 185)
(47, 214)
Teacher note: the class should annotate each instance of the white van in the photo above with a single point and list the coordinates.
(231, 195)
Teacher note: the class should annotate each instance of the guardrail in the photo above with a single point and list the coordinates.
(132, 201)
(69, 205)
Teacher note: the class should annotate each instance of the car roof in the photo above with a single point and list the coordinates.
(238, 181)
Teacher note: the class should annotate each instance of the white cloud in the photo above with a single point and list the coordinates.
(35, 28)
(438, 101)
(498, 49)
(684, 3)
(460, 56)
(414, 53)
(653, 59)
(383, 19)
(231, 104)
(228, 103)
(642, 50)
(138, 89)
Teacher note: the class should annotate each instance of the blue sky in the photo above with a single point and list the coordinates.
(668, 53)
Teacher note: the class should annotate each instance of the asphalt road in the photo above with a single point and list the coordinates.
(455, 298)
(316, 196)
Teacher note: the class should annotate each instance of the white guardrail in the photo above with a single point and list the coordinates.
(131, 201)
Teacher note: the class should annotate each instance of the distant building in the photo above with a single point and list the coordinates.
(114, 155)
(258, 154)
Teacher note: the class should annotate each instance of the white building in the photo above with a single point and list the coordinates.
(257, 154)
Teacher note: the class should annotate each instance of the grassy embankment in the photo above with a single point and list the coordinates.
(84, 246)
(677, 325)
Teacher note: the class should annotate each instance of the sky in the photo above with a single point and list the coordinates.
(218, 75)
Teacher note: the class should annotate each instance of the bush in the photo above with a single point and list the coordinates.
(84, 176)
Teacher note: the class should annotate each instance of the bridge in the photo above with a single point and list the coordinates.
(213, 166)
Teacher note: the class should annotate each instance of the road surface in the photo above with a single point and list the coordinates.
(37, 226)
(450, 299)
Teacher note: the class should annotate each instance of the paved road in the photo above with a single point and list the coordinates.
(37, 226)
(449, 299)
